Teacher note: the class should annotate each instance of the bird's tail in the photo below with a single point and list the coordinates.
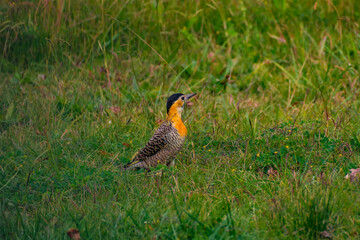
(133, 164)
(129, 166)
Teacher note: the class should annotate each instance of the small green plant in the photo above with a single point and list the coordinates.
(314, 213)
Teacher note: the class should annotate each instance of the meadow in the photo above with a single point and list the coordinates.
(272, 133)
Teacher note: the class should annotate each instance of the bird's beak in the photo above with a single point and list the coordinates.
(190, 96)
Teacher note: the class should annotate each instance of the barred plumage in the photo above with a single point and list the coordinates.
(167, 141)
(164, 144)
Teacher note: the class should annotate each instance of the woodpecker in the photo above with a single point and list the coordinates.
(168, 139)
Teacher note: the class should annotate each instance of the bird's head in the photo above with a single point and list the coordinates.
(176, 102)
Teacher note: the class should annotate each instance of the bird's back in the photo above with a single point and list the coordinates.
(164, 144)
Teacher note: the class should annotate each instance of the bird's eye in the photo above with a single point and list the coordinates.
(182, 98)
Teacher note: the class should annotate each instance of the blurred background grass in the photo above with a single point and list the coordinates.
(271, 136)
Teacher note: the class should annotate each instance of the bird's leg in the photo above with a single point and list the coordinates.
(172, 163)
(157, 180)
(146, 172)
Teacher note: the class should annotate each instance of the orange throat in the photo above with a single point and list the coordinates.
(174, 116)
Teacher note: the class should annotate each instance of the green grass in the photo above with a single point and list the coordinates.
(272, 134)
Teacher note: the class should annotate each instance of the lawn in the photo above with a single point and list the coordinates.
(272, 133)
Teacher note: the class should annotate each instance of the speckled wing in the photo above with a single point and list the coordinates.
(157, 143)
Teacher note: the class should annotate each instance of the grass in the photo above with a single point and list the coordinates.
(271, 136)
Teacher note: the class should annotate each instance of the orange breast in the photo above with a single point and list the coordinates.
(175, 117)
(179, 125)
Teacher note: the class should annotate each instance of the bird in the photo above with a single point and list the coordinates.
(167, 140)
